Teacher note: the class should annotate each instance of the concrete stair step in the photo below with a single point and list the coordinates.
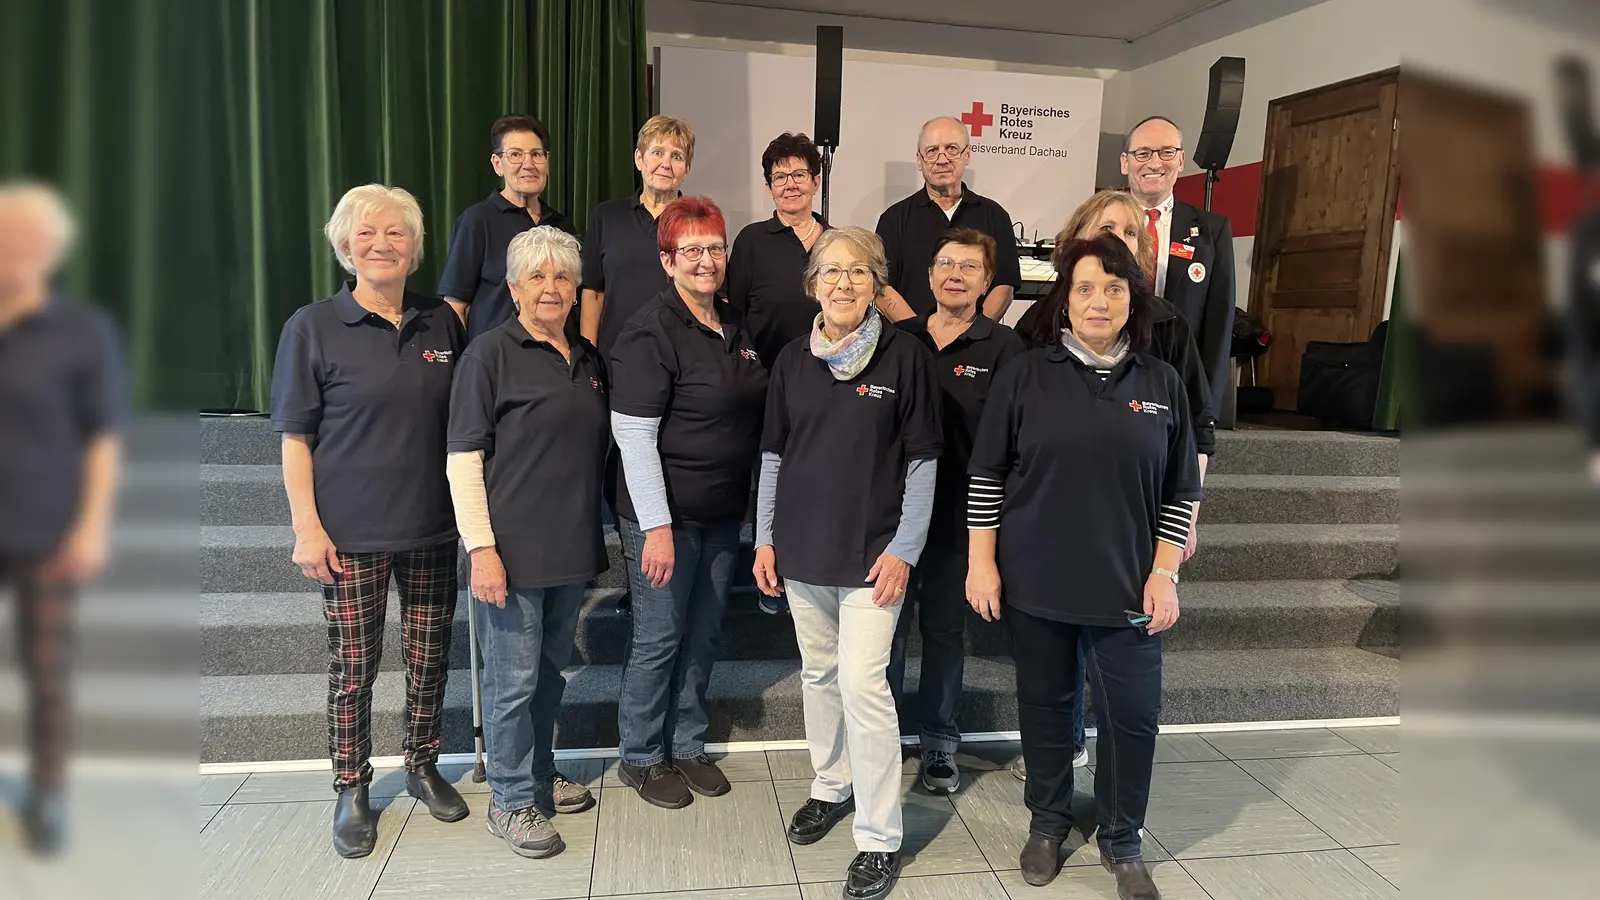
(273, 633)
(253, 495)
(255, 558)
(250, 441)
(260, 717)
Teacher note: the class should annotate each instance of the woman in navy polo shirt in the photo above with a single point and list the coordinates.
(361, 394)
(848, 467)
(1085, 457)
(528, 440)
(968, 349)
(687, 395)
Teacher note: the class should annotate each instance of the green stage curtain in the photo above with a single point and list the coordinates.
(205, 142)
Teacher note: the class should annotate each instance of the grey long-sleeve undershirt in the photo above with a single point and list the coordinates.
(641, 464)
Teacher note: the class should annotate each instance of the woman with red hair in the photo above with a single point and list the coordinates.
(688, 396)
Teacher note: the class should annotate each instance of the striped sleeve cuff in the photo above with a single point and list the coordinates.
(1172, 525)
(984, 497)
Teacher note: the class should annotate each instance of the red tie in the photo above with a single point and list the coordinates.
(1151, 217)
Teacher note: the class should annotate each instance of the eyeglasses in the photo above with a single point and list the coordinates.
(969, 267)
(515, 157)
(858, 274)
(953, 151)
(1143, 154)
(801, 178)
(537, 279)
(693, 254)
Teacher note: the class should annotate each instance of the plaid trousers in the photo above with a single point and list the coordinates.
(355, 606)
(44, 618)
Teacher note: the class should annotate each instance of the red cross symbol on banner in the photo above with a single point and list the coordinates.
(977, 119)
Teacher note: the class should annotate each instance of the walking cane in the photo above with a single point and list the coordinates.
(478, 773)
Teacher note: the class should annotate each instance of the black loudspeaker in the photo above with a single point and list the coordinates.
(1222, 113)
(830, 84)
(1577, 111)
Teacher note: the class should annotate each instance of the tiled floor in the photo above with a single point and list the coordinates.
(1308, 814)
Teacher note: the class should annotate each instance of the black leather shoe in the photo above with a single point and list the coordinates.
(814, 820)
(659, 785)
(444, 802)
(1133, 879)
(1041, 860)
(44, 820)
(702, 776)
(871, 876)
(355, 825)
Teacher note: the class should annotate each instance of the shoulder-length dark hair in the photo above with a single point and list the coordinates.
(1116, 259)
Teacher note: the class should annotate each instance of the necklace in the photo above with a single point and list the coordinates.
(813, 230)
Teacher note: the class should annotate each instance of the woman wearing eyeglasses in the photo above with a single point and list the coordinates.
(687, 393)
(848, 468)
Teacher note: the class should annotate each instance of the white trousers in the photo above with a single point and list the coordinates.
(852, 729)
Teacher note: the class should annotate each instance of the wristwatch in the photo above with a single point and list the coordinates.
(1157, 570)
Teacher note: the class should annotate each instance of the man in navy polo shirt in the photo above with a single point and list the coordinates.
(474, 277)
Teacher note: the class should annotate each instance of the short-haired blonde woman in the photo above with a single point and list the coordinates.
(848, 468)
(361, 393)
(527, 448)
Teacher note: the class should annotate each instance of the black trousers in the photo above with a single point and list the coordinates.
(1123, 669)
(44, 619)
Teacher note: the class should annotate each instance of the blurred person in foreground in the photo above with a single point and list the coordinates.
(1584, 315)
(361, 395)
(62, 406)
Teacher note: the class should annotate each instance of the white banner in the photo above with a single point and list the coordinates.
(1035, 138)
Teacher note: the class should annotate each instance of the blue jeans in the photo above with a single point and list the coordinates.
(667, 667)
(525, 646)
(939, 596)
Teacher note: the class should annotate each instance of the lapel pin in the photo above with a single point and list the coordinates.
(1194, 231)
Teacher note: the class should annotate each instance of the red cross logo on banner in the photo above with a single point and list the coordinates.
(977, 119)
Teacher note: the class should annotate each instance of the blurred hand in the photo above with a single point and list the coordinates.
(889, 577)
(1594, 469)
(316, 556)
(1160, 603)
(81, 557)
(656, 560)
(766, 571)
(488, 576)
(983, 591)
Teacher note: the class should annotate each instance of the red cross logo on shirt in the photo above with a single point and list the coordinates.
(427, 355)
(959, 370)
(861, 390)
(977, 119)
(1134, 405)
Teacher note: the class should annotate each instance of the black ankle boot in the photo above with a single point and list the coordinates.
(355, 825)
(444, 802)
(44, 819)
(1133, 879)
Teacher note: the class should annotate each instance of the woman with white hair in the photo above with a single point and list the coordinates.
(360, 393)
(527, 448)
(848, 470)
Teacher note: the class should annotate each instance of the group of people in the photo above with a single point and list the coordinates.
(851, 392)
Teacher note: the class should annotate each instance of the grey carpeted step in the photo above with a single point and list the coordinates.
(159, 492)
(250, 441)
(114, 714)
(115, 631)
(254, 495)
(1547, 495)
(259, 717)
(263, 634)
(151, 556)
(255, 558)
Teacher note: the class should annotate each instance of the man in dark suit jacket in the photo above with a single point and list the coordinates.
(1194, 248)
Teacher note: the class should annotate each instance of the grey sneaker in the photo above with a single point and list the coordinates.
(1019, 769)
(939, 772)
(1081, 758)
(570, 796)
(526, 831)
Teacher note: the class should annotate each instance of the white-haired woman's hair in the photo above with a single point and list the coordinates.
(47, 200)
(867, 245)
(360, 202)
(537, 246)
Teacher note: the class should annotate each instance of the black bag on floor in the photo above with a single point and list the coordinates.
(1339, 382)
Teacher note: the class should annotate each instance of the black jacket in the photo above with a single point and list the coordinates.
(1583, 311)
(1207, 303)
(1172, 342)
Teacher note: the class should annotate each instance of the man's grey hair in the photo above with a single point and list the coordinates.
(867, 245)
(1127, 143)
(531, 249)
(360, 202)
(50, 205)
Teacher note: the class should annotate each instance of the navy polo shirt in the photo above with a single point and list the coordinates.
(377, 400)
(622, 260)
(965, 369)
(475, 270)
(910, 231)
(543, 427)
(845, 446)
(1087, 463)
(766, 282)
(709, 391)
(62, 383)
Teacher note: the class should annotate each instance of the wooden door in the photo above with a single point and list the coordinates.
(1330, 181)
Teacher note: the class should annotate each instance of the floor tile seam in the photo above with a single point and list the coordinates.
(1285, 802)
(392, 848)
(1370, 867)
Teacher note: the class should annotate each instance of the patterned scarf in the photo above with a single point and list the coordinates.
(1090, 358)
(847, 357)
